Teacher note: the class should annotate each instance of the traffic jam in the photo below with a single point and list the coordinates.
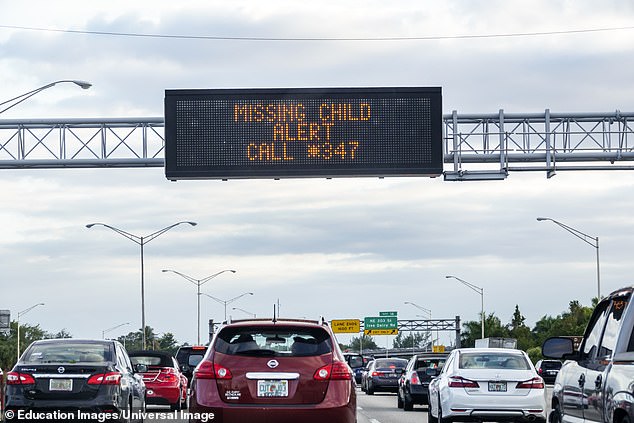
(293, 370)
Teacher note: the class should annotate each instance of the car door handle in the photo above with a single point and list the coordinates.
(598, 381)
(582, 379)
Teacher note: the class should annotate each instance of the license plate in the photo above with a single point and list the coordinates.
(272, 388)
(497, 386)
(65, 385)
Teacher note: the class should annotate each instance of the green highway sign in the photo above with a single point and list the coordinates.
(381, 322)
(387, 313)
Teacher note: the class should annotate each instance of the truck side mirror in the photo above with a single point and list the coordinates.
(558, 347)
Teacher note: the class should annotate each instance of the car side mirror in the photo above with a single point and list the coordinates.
(140, 368)
(184, 368)
(559, 348)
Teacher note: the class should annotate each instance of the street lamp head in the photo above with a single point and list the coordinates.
(83, 84)
(192, 223)
(541, 219)
(450, 276)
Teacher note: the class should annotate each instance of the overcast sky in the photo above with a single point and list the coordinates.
(341, 248)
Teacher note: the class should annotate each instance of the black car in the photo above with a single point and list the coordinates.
(413, 385)
(188, 357)
(356, 363)
(548, 369)
(87, 379)
(383, 375)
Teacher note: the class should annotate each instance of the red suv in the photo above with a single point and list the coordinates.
(274, 371)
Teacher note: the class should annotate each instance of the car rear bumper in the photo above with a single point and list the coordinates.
(339, 405)
(464, 407)
(162, 394)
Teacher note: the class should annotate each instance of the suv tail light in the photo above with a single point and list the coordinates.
(110, 378)
(534, 383)
(338, 370)
(17, 378)
(460, 382)
(208, 370)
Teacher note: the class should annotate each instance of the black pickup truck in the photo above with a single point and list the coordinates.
(413, 385)
(596, 383)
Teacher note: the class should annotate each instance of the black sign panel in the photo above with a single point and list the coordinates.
(303, 132)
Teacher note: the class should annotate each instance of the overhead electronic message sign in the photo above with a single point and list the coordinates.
(303, 132)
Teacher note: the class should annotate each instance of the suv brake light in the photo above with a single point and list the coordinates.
(209, 370)
(338, 370)
(110, 378)
(534, 383)
(460, 382)
(17, 378)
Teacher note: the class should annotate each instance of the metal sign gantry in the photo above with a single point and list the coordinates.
(475, 146)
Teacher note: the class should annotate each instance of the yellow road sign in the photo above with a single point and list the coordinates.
(380, 331)
(438, 349)
(346, 326)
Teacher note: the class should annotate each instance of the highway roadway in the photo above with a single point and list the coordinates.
(377, 408)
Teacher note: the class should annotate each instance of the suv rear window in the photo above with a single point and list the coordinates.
(551, 365)
(289, 341)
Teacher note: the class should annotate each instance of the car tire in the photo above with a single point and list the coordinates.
(555, 415)
(441, 419)
(408, 404)
(399, 400)
(430, 418)
(369, 390)
(129, 410)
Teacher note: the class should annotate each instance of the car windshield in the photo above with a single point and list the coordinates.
(67, 352)
(493, 360)
(551, 365)
(273, 341)
(151, 360)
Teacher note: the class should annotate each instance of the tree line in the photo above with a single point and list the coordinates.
(28, 333)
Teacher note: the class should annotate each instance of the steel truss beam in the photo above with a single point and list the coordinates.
(479, 146)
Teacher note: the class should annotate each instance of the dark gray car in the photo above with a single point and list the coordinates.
(78, 377)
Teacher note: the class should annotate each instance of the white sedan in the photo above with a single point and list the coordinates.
(478, 384)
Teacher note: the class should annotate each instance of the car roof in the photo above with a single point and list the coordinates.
(273, 323)
(74, 340)
(490, 350)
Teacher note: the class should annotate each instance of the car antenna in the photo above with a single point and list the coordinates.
(274, 317)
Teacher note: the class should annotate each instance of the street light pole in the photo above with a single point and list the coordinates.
(141, 240)
(105, 331)
(12, 102)
(225, 302)
(198, 283)
(22, 313)
(424, 310)
(479, 291)
(593, 241)
(244, 311)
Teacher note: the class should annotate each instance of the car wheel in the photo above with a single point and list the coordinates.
(185, 402)
(399, 400)
(441, 419)
(408, 404)
(127, 414)
(430, 418)
(369, 390)
(555, 415)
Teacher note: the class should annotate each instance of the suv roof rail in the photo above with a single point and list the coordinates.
(279, 319)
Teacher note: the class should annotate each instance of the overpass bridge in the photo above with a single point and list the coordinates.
(475, 146)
